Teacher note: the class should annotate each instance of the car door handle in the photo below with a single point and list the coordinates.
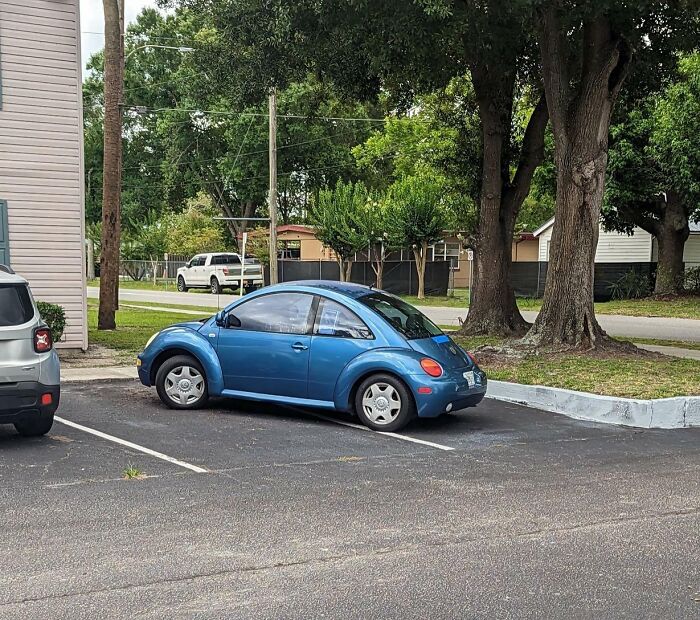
(297, 346)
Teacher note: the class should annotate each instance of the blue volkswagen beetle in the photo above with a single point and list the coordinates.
(329, 345)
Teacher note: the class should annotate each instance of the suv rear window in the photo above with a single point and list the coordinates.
(408, 320)
(15, 305)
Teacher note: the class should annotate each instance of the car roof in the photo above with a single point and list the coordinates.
(348, 289)
(11, 278)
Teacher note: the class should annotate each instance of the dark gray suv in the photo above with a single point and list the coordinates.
(29, 366)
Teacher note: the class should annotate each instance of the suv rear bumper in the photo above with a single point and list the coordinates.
(22, 400)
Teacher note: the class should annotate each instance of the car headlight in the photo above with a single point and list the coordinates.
(151, 339)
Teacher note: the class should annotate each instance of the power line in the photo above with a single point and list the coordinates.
(144, 109)
(201, 161)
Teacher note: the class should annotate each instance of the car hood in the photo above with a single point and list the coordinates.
(193, 325)
(443, 350)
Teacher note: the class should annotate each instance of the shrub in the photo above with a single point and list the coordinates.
(692, 280)
(633, 285)
(54, 316)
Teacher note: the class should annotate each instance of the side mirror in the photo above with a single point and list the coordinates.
(220, 317)
(231, 320)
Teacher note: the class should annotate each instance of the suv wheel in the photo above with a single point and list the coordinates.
(181, 286)
(181, 383)
(383, 403)
(35, 426)
(215, 286)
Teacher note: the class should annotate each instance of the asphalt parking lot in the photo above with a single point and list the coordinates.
(249, 511)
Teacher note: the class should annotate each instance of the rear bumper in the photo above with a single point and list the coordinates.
(22, 400)
(451, 392)
(247, 281)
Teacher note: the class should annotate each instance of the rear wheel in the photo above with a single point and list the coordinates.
(181, 286)
(181, 383)
(35, 426)
(383, 403)
(215, 286)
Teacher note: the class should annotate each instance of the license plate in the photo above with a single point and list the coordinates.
(469, 376)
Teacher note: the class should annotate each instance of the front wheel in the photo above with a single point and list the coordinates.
(181, 286)
(35, 426)
(181, 383)
(383, 403)
(215, 286)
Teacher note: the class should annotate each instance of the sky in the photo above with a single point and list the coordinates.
(92, 23)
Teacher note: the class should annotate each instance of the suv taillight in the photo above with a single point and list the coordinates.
(225, 270)
(42, 339)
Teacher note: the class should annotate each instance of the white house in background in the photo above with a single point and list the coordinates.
(41, 154)
(614, 247)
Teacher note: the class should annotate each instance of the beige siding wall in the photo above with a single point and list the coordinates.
(612, 247)
(41, 160)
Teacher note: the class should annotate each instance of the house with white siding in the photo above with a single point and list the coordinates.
(614, 247)
(41, 154)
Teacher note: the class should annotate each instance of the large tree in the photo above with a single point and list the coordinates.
(586, 52)
(654, 172)
(404, 48)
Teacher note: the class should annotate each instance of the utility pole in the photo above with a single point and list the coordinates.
(273, 187)
(112, 166)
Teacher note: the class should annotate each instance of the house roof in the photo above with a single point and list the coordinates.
(542, 228)
(298, 228)
(694, 227)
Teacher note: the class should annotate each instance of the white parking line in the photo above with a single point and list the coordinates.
(430, 444)
(133, 446)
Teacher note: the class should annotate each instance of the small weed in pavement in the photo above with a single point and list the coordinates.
(132, 473)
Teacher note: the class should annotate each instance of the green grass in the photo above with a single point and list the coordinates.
(205, 310)
(680, 308)
(625, 375)
(134, 327)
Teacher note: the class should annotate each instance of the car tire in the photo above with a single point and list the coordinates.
(181, 383)
(181, 286)
(215, 286)
(35, 426)
(384, 403)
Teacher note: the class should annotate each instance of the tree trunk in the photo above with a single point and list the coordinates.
(378, 265)
(111, 184)
(494, 309)
(420, 255)
(581, 123)
(348, 270)
(672, 234)
(342, 265)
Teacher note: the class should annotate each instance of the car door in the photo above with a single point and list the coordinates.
(339, 336)
(269, 352)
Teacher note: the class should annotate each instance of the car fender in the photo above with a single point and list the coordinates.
(185, 339)
(394, 360)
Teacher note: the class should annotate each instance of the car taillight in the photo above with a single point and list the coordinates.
(471, 357)
(225, 270)
(42, 340)
(431, 367)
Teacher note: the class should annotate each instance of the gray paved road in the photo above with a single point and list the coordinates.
(625, 326)
(532, 515)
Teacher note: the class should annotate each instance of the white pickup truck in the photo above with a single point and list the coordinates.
(217, 271)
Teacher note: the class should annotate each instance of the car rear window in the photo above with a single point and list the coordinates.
(15, 305)
(404, 317)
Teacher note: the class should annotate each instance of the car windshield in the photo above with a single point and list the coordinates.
(15, 305)
(408, 320)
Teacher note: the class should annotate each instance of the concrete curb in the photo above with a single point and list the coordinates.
(679, 412)
(107, 373)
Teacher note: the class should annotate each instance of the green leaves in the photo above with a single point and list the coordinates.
(338, 215)
(416, 212)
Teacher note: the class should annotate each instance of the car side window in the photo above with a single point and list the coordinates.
(197, 261)
(284, 313)
(333, 319)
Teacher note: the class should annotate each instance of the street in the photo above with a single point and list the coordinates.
(624, 326)
(496, 512)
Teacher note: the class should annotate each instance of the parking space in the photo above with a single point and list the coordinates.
(296, 512)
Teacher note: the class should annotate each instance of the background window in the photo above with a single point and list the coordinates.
(284, 313)
(336, 320)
